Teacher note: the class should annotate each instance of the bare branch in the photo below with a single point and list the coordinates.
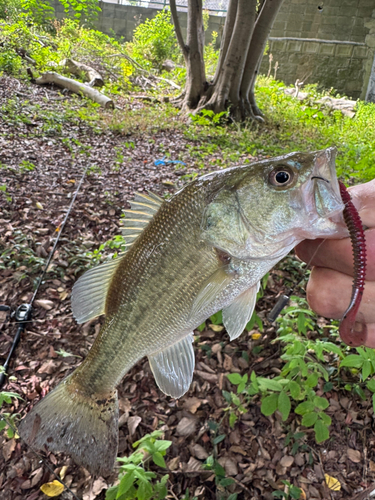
(76, 87)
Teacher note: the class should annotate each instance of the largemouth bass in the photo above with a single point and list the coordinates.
(203, 250)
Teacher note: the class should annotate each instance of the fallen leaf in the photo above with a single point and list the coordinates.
(287, 461)
(9, 448)
(186, 426)
(173, 463)
(229, 465)
(192, 465)
(192, 404)
(64, 468)
(256, 336)
(97, 487)
(237, 449)
(53, 489)
(354, 455)
(133, 423)
(210, 377)
(332, 483)
(216, 328)
(199, 451)
(46, 304)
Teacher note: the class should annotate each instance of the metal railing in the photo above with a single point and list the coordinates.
(216, 7)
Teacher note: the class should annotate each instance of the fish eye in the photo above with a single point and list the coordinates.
(281, 177)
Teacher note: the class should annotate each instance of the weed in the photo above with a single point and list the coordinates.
(154, 41)
(135, 482)
(3, 189)
(221, 480)
(26, 166)
(7, 397)
(290, 492)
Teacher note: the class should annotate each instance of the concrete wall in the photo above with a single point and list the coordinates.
(348, 67)
(344, 66)
(121, 20)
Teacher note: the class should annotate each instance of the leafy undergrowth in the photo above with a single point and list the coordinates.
(282, 412)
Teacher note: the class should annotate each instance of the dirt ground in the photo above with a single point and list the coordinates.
(254, 452)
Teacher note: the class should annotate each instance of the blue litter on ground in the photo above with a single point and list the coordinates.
(163, 161)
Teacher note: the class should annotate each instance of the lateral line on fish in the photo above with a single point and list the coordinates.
(43, 459)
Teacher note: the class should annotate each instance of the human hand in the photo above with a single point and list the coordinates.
(329, 288)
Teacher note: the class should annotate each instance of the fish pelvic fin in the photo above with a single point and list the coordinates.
(173, 367)
(85, 427)
(239, 312)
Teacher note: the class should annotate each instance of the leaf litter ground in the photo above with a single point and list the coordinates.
(41, 167)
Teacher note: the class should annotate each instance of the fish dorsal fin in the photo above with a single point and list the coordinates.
(173, 367)
(210, 290)
(143, 208)
(239, 312)
(90, 291)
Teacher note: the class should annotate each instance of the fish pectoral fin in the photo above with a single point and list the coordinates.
(239, 312)
(210, 290)
(90, 291)
(173, 367)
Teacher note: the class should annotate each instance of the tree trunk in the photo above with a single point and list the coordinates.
(258, 44)
(193, 52)
(242, 46)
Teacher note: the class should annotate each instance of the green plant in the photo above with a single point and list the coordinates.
(8, 423)
(85, 11)
(290, 492)
(297, 384)
(3, 189)
(362, 363)
(135, 481)
(26, 166)
(207, 117)
(212, 464)
(10, 9)
(154, 41)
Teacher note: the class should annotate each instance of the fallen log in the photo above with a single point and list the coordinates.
(76, 87)
(76, 68)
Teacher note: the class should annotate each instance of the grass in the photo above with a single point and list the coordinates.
(293, 125)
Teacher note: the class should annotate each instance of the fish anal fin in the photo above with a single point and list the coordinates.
(239, 312)
(90, 291)
(173, 367)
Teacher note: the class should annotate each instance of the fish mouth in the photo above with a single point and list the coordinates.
(325, 186)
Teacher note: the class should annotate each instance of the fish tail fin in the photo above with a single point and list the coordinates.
(83, 426)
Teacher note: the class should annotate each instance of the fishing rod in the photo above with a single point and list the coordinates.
(23, 313)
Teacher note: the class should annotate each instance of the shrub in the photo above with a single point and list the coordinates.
(154, 41)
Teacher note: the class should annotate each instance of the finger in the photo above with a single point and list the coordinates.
(337, 254)
(363, 197)
(370, 342)
(329, 293)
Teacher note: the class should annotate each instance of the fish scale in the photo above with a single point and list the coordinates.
(203, 250)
